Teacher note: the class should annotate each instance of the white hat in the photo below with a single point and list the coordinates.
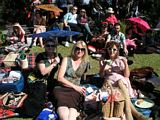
(110, 10)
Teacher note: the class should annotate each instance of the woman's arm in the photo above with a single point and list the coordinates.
(61, 74)
(64, 81)
(102, 65)
(126, 68)
(46, 70)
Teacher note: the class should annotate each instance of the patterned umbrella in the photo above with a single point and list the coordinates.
(49, 7)
(56, 33)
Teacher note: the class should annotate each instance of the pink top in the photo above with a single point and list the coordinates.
(112, 19)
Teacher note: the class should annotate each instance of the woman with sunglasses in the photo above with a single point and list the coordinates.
(69, 94)
(115, 71)
(83, 22)
(47, 62)
(42, 79)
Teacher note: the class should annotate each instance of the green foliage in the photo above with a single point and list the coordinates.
(123, 26)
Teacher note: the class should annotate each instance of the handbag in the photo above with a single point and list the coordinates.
(12, 100)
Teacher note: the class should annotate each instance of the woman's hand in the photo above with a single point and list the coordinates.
(126, 69)
(81, 90)
(107, 68)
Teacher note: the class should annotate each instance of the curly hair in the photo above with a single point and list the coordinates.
(110, 45)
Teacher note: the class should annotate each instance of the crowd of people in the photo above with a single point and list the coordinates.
(66, 89)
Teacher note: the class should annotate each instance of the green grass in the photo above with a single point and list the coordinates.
(140, 60)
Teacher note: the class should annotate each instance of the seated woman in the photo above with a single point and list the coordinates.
(39, 26)
(47, 63)
(83, 21)
(69, 94)
(42, 79)
(18, 34)
(115, 71)
(98, 42)
(71, 23)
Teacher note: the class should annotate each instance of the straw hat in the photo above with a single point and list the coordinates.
(83, 10)
(110, 10)
(16, 25)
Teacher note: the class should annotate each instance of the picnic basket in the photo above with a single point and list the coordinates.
(10, 59)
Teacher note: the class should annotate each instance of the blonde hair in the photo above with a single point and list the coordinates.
(85, 56)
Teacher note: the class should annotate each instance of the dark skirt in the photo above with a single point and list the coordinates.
(68, 97)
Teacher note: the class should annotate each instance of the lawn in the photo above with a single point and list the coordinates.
(140, 60)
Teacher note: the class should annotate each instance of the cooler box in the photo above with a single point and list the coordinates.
(16, 87)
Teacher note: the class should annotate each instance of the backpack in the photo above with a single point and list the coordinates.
(35, 101)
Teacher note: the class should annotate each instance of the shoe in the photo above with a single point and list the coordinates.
(130, 62)
(74, 42)
(67, 44)
(34, 44)
(96, 55)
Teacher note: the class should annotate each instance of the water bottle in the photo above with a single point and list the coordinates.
(52, 116)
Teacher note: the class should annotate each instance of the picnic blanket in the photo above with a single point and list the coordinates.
(31, 60)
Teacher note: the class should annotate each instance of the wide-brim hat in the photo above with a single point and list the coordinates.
(110, 10)
(16, 25)
(83, 10)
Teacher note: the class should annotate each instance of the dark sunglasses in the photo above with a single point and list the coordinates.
(117, 28)
(50, 46)
(112, 49)
(80, 49)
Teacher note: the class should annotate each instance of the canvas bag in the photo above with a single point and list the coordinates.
(12, 100)
(113, 108)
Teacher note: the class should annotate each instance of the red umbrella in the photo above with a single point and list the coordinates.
(140, 22)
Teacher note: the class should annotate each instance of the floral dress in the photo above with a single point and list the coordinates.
(116, 74)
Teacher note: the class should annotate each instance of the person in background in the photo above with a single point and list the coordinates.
(18, 34)
(110, 18)
(69, 94)
(115, 72)
(39, 23)
(118, 37)
(70, 22)
(83, 21)
(53, 20)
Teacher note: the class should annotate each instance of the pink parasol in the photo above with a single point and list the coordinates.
(140, 22)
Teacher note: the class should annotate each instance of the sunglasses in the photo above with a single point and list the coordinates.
(80, 49)
(50, 46)
(112, 49)
(117, 28)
